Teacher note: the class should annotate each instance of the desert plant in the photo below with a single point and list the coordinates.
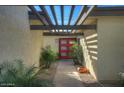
(47, 56)
(121, 78)
(77, 54)
(15, 73)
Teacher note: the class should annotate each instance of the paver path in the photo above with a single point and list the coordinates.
(66, 75)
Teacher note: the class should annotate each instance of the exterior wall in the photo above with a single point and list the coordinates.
(15, 34)
(53, 41)
(37, 44)
(37, 41)
(16, 39)
(89, 45)
(110, 47)
(35, 22)
(104, 52)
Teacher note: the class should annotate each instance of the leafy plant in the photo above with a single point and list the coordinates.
(77, 54)
(47, 57)
(17, 74)
(121, 78)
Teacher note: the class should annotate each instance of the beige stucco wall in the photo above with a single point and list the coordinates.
(37, 44)
(37, 41)
(110, 47)
(16, 39)
(89, 45)
(107, 60)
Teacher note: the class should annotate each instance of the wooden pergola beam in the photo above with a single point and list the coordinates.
(62, 14)
(40, 17)
(71, 13)
(70, 16)
(61, 34)
(46, 14)
(83, 9)
(98, 11)
(40, 12)
(85, 15)
(60, 27)
(108, 11)
(54, 14)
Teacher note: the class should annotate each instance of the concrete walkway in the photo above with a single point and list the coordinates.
(66, 75)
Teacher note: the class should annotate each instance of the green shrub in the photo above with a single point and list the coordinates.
(16, 74)
(47, 57)
(77, 54)
(121, 75)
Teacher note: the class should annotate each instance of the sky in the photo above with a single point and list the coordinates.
(67, 10)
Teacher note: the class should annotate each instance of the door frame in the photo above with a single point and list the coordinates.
(66, 57)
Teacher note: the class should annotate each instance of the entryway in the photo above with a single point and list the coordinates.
(64, 47)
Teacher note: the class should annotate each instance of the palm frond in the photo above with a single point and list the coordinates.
(17, 74)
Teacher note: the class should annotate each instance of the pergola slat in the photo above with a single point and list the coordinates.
(71, 13)
(70, 16)
(85, 15)
(83, 9)
(31, 13)
(62, 14)
(46, 13)
(61, 34)
(60, 27)
(40, 17)
(54, 14)
(98, 11)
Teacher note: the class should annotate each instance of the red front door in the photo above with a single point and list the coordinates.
(64, 47)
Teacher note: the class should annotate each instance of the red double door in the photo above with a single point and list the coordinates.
(64, 47)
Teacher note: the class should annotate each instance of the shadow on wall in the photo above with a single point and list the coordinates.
(89, 45)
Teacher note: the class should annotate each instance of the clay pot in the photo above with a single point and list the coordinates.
(83, 70)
